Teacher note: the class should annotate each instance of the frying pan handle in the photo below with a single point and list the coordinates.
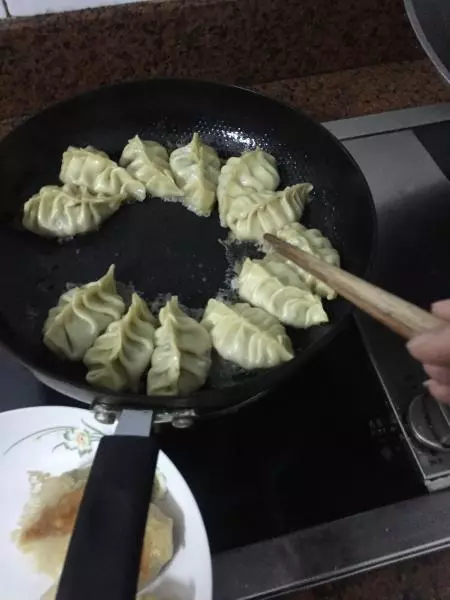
(104, 553)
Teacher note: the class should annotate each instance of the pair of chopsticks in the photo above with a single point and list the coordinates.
(400, 316)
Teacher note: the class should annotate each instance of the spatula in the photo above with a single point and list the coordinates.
(400, 316)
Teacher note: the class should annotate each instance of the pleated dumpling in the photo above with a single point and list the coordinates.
(94, 170)
(82, 314)
(68, 210)
(277, 287)
(148, 162)
(182, 356)
(196, 168)
(246, 335)
(253, 171)
(252, 214)
(313, 242)
(120, 356)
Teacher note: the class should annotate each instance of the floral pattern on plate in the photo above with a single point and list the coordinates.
(52, 439)
(81, 439)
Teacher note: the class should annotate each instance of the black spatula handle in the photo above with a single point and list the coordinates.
(104, 553)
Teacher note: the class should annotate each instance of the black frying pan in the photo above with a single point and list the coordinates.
(161, 248)
(431, 22)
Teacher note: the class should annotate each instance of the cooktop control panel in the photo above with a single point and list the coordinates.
(405, 157)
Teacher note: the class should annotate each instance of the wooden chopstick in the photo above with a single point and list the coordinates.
(400, 316)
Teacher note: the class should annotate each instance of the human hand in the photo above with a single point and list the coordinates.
(433, 351)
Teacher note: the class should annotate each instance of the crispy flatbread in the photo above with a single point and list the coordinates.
(49, 517)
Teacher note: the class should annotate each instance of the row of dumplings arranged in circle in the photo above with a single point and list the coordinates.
(95, 187)
(91, 323)
(119, 345)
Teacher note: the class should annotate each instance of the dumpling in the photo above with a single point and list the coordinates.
(121, 355)
(148, 162)
(68, 210)
(82, 314)
(277, 287)
(246, 335)
(196, 168)
(254, 170)
(182, 356)
(252, 214)
(94, 170)
(313, 242)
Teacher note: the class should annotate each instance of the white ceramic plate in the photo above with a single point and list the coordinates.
(58, 439)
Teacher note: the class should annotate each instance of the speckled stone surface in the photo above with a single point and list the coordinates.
(362, 91)
(350, 93)
(51, 57)
(426, 578)
(7, 124)
(303, 37)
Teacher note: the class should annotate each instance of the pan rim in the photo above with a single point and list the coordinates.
(426, 45)
(260, 382)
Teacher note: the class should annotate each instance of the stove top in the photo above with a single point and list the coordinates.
(272, 468)
(329, 475)
(408, 171)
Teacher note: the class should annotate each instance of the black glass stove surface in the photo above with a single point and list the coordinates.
(321, 447)
(408, 171)
(436, 139)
